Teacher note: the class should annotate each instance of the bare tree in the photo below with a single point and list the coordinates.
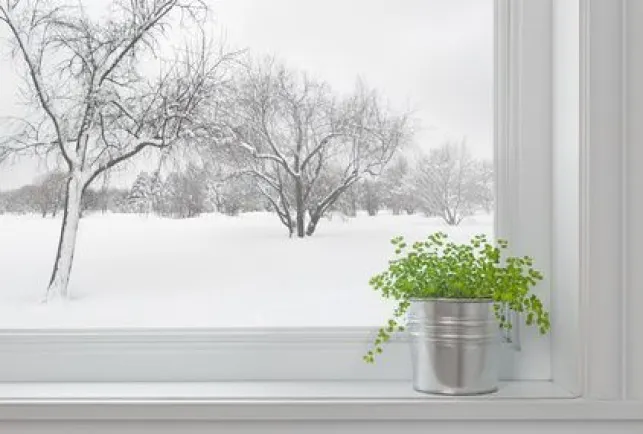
(451, 184)
(23, 200)
(398, 185)
(3, 202)
(485, 185)
(104, 192)
(185, 193)
(233, 194)
(304, 145)
(228, 189)
(348, 203)
(97, 109)
(371, 196)
(51, 193)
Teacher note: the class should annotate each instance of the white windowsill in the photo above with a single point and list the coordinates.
(260, 390)
(342, 400)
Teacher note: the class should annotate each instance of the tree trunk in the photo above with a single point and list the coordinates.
(300, 212)
(354, 205)
(450, 218)
(312, 224)
(321, 209)
(59, 282)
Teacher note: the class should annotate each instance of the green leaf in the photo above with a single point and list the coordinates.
(439, 268)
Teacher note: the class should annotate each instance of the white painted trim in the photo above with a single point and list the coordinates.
(602, 290)
(566, 120)
(624, 199)
(324, 410)
(195, 355)
(633, 156)
(610, 354)
(257, 390)
(611, 295)
(523, 158)
(609, 327)
(266, 401)
(506, 126)
(203, 355)
(507, 113)
(584, 236)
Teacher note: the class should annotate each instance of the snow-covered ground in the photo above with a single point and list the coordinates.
(212, 271)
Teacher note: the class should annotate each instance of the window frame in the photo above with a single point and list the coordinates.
(523, 164)
(336, 353)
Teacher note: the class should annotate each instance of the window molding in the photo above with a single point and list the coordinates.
(340, 408)
(609, 335)
(298, 401)
(523, 157)
(632, 194)
(326, 354)
(523, 104)
(566, 194)
(611, 323)
(312, 354)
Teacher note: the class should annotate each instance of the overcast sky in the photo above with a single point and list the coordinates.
(432, 56)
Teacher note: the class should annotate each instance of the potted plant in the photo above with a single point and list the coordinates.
(456, 297)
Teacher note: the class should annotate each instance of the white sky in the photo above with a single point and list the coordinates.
(432, 56)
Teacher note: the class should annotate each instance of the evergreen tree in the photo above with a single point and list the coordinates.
(156, 198)
(139, 199)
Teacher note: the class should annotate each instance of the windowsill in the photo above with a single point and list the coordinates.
(385, 400)
(260, 390)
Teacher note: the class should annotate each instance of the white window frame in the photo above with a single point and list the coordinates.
(336, 353)
(591, 359)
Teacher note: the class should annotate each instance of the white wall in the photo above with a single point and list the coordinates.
(634, 196)
(612, 278)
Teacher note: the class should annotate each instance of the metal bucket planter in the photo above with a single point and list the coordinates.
(454, 346)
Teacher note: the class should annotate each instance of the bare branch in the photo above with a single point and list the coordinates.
(36, 79)
(313, 144)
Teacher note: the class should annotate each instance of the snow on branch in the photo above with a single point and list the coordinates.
(311, 144)
(95, 106)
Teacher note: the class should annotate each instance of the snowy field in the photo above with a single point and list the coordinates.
(212, 271)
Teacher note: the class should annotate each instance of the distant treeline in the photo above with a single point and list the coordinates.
(447, 182)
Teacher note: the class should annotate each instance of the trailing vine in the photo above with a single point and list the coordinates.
(439, 268)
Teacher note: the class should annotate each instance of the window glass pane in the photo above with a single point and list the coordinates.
(241, 168)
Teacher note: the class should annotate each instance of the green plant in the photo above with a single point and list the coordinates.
(439, 268)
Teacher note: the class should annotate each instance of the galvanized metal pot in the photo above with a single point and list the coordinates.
(454, 346)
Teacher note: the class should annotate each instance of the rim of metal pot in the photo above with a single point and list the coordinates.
(454, 300)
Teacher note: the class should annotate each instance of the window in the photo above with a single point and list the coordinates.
(192, 247)
(204, 233)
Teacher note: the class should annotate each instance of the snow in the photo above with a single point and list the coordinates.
(211, 271)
